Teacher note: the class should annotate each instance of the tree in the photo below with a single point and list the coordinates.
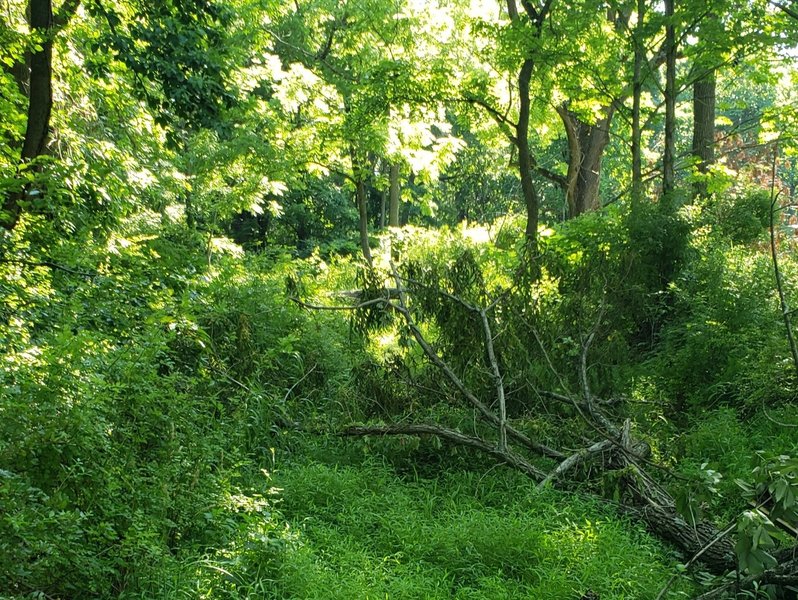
(524, 32)
(637, 92)
(669, 153)
(35, 77)
(394, 196)
(382, 88)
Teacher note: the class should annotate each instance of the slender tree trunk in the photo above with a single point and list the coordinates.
(383, 207)
(637, 89)
(40, 102)
(525, 158)
(786, 313)
(41, 87)
(362, 209)
(704, 126)
(395, 194)
(669, 157)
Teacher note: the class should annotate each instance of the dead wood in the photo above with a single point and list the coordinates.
(573, 460)
(643, 497)
(504, 455)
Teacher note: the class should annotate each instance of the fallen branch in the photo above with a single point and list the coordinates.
(783, 574)
(668, 524)
(436, 360)
(458, 383)
(366, 304)
(697, 555)
(645, 498)
(573, 460)
(452, 435)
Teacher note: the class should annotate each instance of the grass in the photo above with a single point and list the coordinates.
(361, 530)
(364, 532)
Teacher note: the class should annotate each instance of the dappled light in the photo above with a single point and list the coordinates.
(398, 299)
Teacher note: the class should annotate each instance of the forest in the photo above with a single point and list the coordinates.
(365, 299)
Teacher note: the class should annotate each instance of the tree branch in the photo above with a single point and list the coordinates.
(454, 436)
(790, 12)
(575, 459)
(49, 264)
(458, 383)
(505, 124)
(64, 14)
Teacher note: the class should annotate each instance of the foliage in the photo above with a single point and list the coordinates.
(168, 404)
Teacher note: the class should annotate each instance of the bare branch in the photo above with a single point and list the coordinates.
(458, 383)
(575, 459)
(366, 304)
(452, 435)
(497, 380)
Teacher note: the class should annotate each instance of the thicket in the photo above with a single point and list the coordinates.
(144, 440)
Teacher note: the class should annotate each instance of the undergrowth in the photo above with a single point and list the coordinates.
(165, 420)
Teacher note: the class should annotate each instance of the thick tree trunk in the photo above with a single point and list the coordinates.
(586, 144)
(704, 126)
(669, 156)
(395, 195)
(41, 87)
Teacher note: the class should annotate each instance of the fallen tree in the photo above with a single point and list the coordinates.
(643, 498)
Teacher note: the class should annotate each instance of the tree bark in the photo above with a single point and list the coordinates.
(34, 77)
(537, 15)
(524, 157)
(669, 156)
(359, 173)
(383, 208)
(637, 90)
(704, 126)
(586, 144)
(41, 87)
(395, 195)
(362, 208)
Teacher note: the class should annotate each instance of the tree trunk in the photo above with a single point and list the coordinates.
(362, 209)
(40, 102)
(41, 87)
(393, 211)
(359, 173)
(669, 156)
(637, 89)
(525, 158)
(704, 126)
(586, 144)
(383, 207)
